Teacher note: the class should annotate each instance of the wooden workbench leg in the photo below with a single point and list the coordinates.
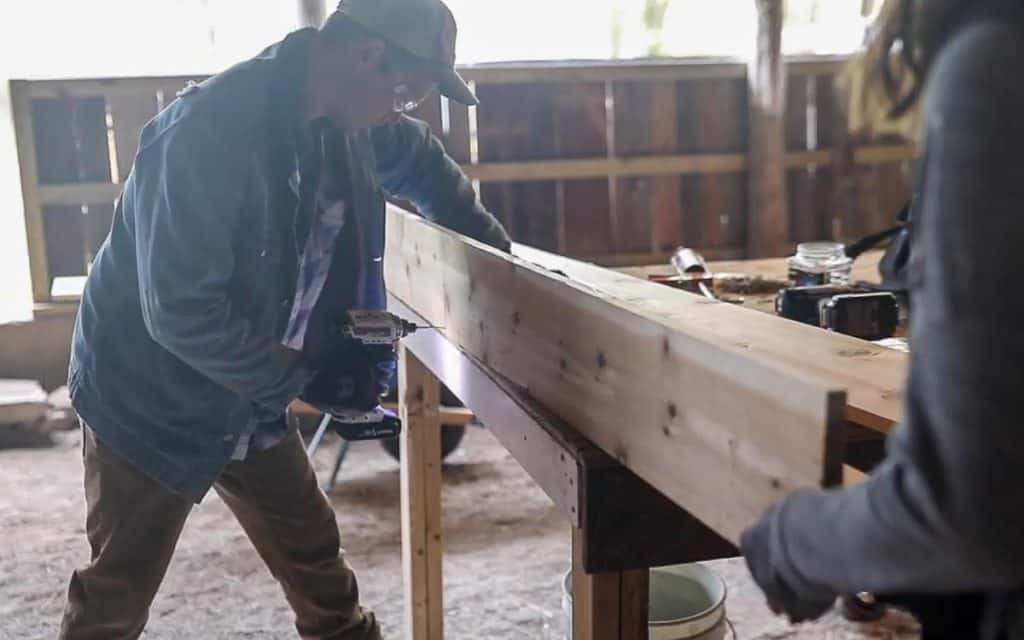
(607, 606)
(419, 399)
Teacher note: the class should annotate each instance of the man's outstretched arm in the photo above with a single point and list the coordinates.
(412, 165)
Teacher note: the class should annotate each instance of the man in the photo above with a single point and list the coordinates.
(252, 220)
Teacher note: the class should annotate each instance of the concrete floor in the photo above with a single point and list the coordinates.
(506, 547)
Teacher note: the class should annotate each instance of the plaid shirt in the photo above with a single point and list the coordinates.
(330, 214)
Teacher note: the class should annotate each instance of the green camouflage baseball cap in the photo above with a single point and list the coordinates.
(423, 28)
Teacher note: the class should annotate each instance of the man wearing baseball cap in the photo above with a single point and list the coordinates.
(251, 222)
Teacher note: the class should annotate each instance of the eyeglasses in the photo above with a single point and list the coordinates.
(404, 100)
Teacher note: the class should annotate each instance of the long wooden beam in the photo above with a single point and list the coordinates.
(872, 376)
(720, 429)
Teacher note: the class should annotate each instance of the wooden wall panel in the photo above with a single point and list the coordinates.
(53, 129)
(71, 147)
(714, 113)
(518, 124)
(584, 214)
(649, 210)
(527, 209)
(93, 146)
(64, 228)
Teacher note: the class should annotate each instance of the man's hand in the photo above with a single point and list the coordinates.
(757, 547)
(495, 235)
(354, 378)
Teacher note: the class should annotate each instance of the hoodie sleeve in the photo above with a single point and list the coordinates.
(412, 165)
(945, 511)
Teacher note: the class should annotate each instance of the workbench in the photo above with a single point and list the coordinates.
(621, 523)
(865, 269)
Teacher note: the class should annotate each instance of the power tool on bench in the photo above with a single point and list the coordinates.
(368, 337)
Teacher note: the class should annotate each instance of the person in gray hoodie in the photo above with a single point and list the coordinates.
(941, 519)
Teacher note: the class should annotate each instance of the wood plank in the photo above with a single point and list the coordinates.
(78, 193)
(661, 69)
(608, 605)
(449, 416)
(768, 211)
(688, 392)
(634, 596)
(24, 133)
(655, 165)
(92, 87)
(420, 446)
(628, 525)
(595, 599)
(22, 401)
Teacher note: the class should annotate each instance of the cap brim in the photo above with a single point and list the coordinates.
(451, 85)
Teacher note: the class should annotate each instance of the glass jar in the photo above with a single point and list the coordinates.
(817, 263)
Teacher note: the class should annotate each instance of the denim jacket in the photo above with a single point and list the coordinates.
(177, 343)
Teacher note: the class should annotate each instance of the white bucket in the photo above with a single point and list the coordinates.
(687, 602)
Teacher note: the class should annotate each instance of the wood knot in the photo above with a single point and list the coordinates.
(665, 430)
(673, 410)
(666, 348)
(562, 364)
(602, 362)
(515, 318)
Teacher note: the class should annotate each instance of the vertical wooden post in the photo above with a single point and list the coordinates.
(767, 226)
(607, 606)
(312, 13)
(420, 446)
(21, 109)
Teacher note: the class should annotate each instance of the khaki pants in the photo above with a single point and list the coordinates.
(133, 525)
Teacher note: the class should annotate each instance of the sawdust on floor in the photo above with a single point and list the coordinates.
(506, 550)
